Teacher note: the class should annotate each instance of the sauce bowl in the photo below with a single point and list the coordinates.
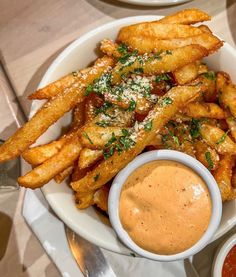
(169, 155)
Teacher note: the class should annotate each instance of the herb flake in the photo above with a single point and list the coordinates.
(209, 160)
(87, 137)
(96, 177)
(148, 126)
(222, 139)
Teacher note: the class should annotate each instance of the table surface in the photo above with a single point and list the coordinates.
(32, 33)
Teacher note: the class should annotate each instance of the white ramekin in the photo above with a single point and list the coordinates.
(221, 254)
(200, 169)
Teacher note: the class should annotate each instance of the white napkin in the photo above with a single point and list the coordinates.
(50, 231)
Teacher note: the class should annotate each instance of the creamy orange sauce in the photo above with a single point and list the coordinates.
(165, 207)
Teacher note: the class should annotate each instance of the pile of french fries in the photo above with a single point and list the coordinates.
(149, 90)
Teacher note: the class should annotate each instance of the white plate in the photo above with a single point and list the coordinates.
(78, 55)
(154, 2)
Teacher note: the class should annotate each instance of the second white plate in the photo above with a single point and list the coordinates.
(154, 2)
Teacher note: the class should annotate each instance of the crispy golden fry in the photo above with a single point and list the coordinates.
(78, 118)
(208, 82)
(143, 106)
(210, 110)
(91, 104)
(40, 154)
(159, 116)
(228, 98)
(223, 175)
(186, 73)
(166, 62)
(84, 200)
(49, 114)
(206, 155)
(202, 68)
(233, 180)
(182, 131)
(95, 137)
(205, 29)
(88, 157)
(217, 139)
(231, 121)
(109, 48)
(56, 87)
(150, 44)
(101, 197)
(222, 79)
(157, 30)
(63, 175)
(79, 173)
(187, 16)
(157, 141)
(43, 173)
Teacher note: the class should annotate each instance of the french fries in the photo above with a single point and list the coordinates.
(160, 115)
(152, 44)
(188, 16)
(165, 62)
(218, 139)
(151, 90)
(49, 114)
(158, 30)
(43, 173)
(223, 176)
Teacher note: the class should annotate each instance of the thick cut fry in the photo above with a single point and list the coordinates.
(88, 157)
(231, 121)
(45, 172)
(186, 73)
(205, 29)
(40, 154)
(76, 77)
(78, 115)
(110, 48)
(101, 197)
(49, 114)
(83, 201)
(188, 16)
(206, 155)
(166, 62)
(228, 98)
(233, 181)
(157, 30)
(63, 175)
(210, 110)
(95, 137)
(79, 173)
(202, 68)
(218, 139)
(223, 175)
(91, 105)
(159, 116)
(56, 87)
(150, 44)
(222, 79)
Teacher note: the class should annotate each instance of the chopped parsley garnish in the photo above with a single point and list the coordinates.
(107, 153)
(162, 77)
(195, 128)
(222, 139)
(88, 90)
(209, 75)
(102, 123)
(122, 48)
(138, 70)
(209, 160)
(132, 105)
(87, 137)
(103, 108)
(126, 58)
(148, 126)
(111, 140)
(176, 140)
(119, 144)
(96, 177)
(167, 101)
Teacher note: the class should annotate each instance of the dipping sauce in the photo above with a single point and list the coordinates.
(229, 267)
(165, 207)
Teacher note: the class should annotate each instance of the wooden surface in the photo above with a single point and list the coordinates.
(32, 33)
